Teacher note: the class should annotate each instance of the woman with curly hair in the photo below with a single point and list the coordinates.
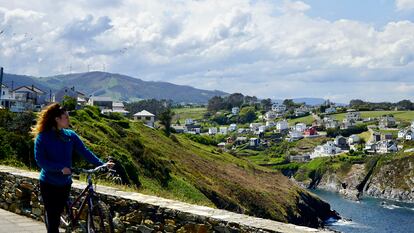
(53, 149)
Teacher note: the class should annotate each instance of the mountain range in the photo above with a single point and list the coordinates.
(119, 87)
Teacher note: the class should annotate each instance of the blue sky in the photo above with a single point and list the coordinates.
(340, 50)
(375, 12)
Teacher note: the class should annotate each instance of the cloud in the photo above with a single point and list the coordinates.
(268, 48)
(86, 28)
(404, 5)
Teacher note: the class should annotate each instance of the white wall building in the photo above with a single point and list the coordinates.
(282, 125)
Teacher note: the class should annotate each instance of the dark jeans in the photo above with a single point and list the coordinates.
(54, 199)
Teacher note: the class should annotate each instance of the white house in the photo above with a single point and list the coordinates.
(235, 110)
(387, 122)
(232, 127)
(279, 108)
(7, 96)
(296, 135)
(270, 124)
(117, 107)
(353, 115)
(409, 135)
(353, 139)
(270, 115)
(402, 133)
(145, 116)
(301, 127)
(255, 126)
(212, 130)
(330, 110)
(412, 125)
(262, 129)
(189, 121)
(386, 146)
(27, 98)
(103, 102)
(347, 123)
(328, 149)
(254, 141)
(282, 125)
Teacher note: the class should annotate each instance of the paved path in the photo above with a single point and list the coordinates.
(11, 222)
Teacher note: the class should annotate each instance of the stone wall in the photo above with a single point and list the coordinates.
(134, 212)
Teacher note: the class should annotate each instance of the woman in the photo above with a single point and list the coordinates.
(54, 145)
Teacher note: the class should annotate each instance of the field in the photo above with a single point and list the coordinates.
(185, 113)
(307, 120)
(406, 116)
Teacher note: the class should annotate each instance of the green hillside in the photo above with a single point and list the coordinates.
(176, 167)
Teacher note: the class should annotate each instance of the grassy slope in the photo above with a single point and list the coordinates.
(185, 113)
(199, 174)
(399, 115)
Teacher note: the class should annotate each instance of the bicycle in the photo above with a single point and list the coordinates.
(99, 217)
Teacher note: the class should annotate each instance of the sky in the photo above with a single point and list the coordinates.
(338, 50)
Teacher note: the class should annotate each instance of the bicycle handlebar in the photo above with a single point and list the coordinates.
(101, 168)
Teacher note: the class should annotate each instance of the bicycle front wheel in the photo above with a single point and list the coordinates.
(99, 218)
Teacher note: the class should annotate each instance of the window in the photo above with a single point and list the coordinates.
(147, 118)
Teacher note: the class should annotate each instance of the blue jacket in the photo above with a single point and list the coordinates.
(53, 151)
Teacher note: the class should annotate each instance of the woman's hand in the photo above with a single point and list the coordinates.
(66, 171)
(110, 164)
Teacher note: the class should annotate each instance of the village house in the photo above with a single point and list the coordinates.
(189, 121)
(387, 122)
(145, 116)
(327, 149)
(270, 124)
(102, 102)
(347, 123)
(353, 115)
(27, 98)
(295, 135)
(330, 110)
(282, 125)
(299, 158)
(387, 136)
(118, 107)
(178, 128)
(279, 108)
(301, 127)
(235, 110)
(386, 146)
(270, 115)
(232, 127)
(212, 130)
(240, 140)
(7, 97)
(255, 126)
(310, 132)
(341, 142)
(254, 142)
(192, 129)
(72, 93)
(354, 139)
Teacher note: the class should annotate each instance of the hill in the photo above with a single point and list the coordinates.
(117, 86)
(176, 167)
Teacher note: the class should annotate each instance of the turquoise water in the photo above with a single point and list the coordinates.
(370, 214)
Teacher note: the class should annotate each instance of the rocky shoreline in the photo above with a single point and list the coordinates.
(391, 181)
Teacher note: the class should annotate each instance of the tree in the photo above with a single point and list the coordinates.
(266, 104)
(165, 119)
(247, 114)
(235, 100)
(215, 104)
(289, 103)
(69, 103)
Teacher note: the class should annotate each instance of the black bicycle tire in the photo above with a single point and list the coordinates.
(99, 209)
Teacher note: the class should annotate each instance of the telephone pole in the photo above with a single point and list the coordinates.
(1, 83)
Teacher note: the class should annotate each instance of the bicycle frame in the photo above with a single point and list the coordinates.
(74, 215)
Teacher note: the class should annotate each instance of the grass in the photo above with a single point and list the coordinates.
(406, 116)
(185, 113)
(365, 135)
(307, 120)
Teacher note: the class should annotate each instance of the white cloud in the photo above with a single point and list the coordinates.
(267, 48)
(404, 5)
